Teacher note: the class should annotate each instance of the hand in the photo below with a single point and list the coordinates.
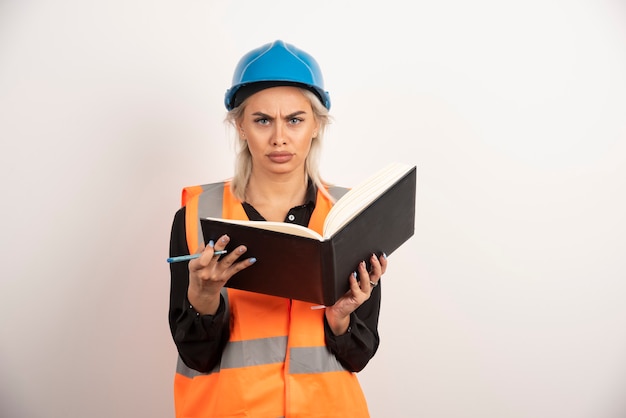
(338, 315)
(208, 274)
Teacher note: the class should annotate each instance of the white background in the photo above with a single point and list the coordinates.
(507, 302)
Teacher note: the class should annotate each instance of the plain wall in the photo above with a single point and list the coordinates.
(507, 302)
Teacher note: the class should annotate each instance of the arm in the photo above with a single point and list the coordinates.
(356, 347)
(351, 324)
(199, 339)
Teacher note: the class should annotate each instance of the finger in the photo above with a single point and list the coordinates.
(206, 256)
(209, 267)
(364, 277)
(230, 258)
(202, 261)
(237, 267)
(207, 253)
(383, 263)
(355, 284)
(221, 243)
(376, 271)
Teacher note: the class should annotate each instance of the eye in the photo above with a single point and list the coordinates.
(262, 121)
(295, 121)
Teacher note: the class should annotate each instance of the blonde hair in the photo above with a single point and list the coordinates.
(243, 159)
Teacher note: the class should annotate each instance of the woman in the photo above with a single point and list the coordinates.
(247, 354)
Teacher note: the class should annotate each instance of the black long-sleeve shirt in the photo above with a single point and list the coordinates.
(200, 339)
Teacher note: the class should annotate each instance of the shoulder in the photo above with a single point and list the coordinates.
(179, 216)
(191, 192)
(333, 192)
(337, 191)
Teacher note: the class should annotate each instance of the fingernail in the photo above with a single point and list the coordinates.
(211, 243)
(252, 260)
(225, 238)
(354, 274)
(384, 255)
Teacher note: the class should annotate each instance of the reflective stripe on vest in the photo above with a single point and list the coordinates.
(268, 351)
(209, 198)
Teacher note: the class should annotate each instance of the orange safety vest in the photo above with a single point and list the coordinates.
(276, 363)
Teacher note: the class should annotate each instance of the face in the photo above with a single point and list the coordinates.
(278, 125)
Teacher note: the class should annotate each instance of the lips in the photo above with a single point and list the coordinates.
(280, 157)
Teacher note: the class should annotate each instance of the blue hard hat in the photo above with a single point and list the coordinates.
(271, 65)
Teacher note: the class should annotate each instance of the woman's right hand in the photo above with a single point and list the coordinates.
(209, 273)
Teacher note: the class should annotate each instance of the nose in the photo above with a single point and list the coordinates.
(279, 134)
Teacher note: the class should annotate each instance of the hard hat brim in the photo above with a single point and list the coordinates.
(237, 94)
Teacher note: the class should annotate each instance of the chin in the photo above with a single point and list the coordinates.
(286, 168)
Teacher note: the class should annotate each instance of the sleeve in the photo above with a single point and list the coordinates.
(200, 339)
(357, 346)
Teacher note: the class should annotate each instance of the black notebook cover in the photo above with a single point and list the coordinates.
(317, 271)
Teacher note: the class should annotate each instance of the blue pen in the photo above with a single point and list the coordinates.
(191, 256)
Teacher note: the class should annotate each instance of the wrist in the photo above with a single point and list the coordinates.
(203, 302)
(338, 324)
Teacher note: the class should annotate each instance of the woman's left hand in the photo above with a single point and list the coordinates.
(338, 315)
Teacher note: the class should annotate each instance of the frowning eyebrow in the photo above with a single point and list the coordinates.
(287, 117)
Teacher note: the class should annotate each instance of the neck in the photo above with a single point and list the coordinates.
(273, 197)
